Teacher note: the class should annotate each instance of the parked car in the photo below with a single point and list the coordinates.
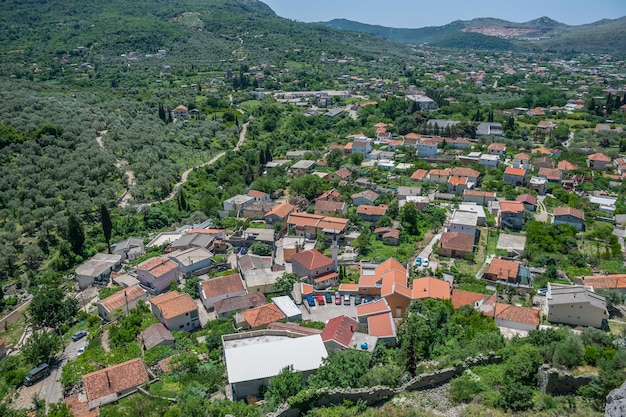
(237, 249)
(320, 300)
(35, 374)
(376, 297)
(367, 299)
(244, 250)
(337, 299)
(418, 261)
(542, 291)
(310, 301)
(426, 263)
(80, 351)
(357, 300)
(329, 298)
(346, 300)
(79, 335)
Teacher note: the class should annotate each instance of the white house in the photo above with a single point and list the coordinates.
(576, 305)
(215, 289)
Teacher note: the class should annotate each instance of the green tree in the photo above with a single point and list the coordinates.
(75, 233)
(261, 249)
(307, 186)
(342, 369)
(287, 383)
(107, 225)
(569, 353)
(41, 347)
(50, 308)
(285, 282)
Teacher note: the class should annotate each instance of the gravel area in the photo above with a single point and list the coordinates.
(434, 400)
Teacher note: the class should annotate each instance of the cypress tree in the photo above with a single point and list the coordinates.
(107, 225)
(75, 233)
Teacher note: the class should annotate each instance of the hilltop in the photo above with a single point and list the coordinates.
(604, 36)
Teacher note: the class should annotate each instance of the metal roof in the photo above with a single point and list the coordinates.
(265, 360)
(287, 306)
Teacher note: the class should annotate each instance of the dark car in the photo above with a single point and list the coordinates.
(310, 301)
(237, 249)
(367, 299)
(79, 335)
(244, 250)
(329, 298)
(357, 300)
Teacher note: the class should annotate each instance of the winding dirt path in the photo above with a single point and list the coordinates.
(128, 196)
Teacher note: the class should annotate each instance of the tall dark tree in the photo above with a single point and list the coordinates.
(75, 233)
(162, 113)
(181, 200)
(107, 225)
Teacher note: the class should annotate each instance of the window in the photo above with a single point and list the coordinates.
(181, 326)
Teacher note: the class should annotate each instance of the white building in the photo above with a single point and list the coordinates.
(576, 305)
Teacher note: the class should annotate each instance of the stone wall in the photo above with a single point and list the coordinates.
(556, 382)
(372, 395)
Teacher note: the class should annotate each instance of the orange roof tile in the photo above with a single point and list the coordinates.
(348, 287)
(550, 173)
(599, 157)
(419, 175)
(563, 211)
(496, 147)
(374, 307)
(381, 325)
(464, 172)
(462, 298)
(158, 266)
(174, 304)
(412, 136)
(228, 284)
(429, 287)
(456, 241)
(522, 156)
(511, 207)
(312, 259)
(262, 315)
(281, 210)
(457, 181)
(515, 171)
(114, 379)
(439, 172)
(372, 210)
(503, 269)
(326, 277)
(518, 314)
(610, 281)
(542, 150)
(122, 297)
(257, 194)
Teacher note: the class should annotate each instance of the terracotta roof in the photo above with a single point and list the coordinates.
(228, 284)
(465, 298)
(343, 173)
(381, 325)
(429, 287)
(522, 156)
(599, 157)
(348, 287)
(457, 181)
(496, 147)
(329, 206)
(281, 210)
(550, 173)
(439, 172)
(480, 193)
(562, 211)
(527, 198)
(611, 281)
(80, 409)
(155, 335)
(304, 219)
(419, 175)
(464, 172)
(331, 194)
(312, 259)
(386, 267)
(412, 136)
(429, 142)
(374, 307)
(158, 266)
(114, 379)
(456, 241)
(174, 304)
(325, 277)
(518, 314)
(181, 107)
(511, 207)
(515, 171)
(262, 315)
(122, 297)
(368, 194)
(372, 210)
(340, 329)
(387, 232)
(332, 223)
(542, 150)
(240, 302)
(306, 288)
(503, 269)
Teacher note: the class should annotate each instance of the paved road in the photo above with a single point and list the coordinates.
(428, 250)
(542, 212)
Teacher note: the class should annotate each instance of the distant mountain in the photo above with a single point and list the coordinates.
(604, 36)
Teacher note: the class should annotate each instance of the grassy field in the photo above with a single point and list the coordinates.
(471, 268)
(11, 334)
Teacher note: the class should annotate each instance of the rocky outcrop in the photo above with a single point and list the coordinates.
(616, 402)
(557, 382)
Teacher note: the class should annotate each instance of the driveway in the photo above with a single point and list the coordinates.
(49, 389)
(428, 250)
(542, 213)
(328, 311)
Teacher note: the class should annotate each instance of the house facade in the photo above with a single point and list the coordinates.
(575, 305)
(121, 302)
(176, 311)
(215, 289)
(514, 176)
(157, 273)
(570, 216)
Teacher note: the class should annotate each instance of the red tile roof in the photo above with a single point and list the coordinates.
(566, 166)
(563, 211)
(348, 287)
(174, 304)
(281, 210)
(550, 173)
(228, 284)
(312, 259)
(542, 150)
(503, 269)
(611, 281)
(340, 329)
(511, 207)
(520, 172)
(456, 241)
(429, 287)
(599, 157)
(419, 175)
(114, 379)
(465, 298)
(518, 314)
(262, 315)
(381, 325)
(240, 302)
(122, 297)
(374, 307)
(527, 198)
(326, 277)
(496, 147)
(256, 194)
(522, 156)
(464, 172)
(366, 209)
(158, 266)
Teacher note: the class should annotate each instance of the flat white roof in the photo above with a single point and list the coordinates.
(287, 306)
(265, 360)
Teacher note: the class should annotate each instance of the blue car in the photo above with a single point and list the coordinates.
(310, 301)
(244, 250)
(418, 261)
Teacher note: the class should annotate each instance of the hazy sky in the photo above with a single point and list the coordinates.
(416, 13)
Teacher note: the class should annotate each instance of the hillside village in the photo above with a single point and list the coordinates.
(384, 229)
